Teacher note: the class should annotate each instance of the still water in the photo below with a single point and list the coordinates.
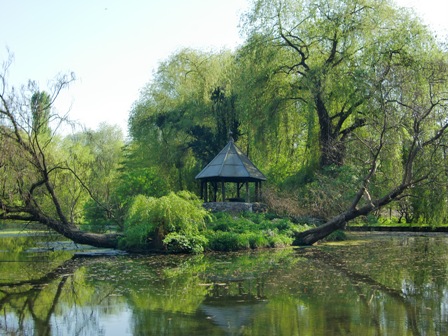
(374, 284)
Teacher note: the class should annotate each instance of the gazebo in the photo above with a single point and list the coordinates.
(230, 166)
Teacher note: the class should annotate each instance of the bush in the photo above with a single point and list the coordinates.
(150, 221)
(138, 225)
(179, 224)
(185, 243)
(280, 241)
(257, 240)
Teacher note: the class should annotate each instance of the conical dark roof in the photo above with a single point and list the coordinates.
(231, 165)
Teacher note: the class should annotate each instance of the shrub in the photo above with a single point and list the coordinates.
(185, 243)
(257, 240)
(150, 220)
(138, 225)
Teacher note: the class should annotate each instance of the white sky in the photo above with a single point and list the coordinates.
(113, 46)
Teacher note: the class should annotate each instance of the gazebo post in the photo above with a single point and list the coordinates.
(247, 193)
(223, 191)
(205, 192)
(237, 189)
(257, 191)
(202, 190)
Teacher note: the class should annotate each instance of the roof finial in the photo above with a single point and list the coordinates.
(230, 136)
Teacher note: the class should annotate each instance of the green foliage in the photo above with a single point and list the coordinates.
(178, 223)
(138, 226)
(431, 204)
(98, 218)
(94, 156)
(250, 231)
(131, 178)
(185, 114)
(209, 140)
(139, 181)
(150, 221)
(40, 109)
(371, 220)
(273, 125)
(227, 241)
(185, 243)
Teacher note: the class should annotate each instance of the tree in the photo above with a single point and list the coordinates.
(185, 113)
(209, 140)
(29, 173)
(95, 156)
(411, 111)
(366, 71)
(132, 178)
(40, 109)
(328, 50)
(277, 133)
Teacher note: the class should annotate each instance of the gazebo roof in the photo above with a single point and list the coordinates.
(231, 165)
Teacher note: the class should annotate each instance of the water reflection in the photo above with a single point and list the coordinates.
(381, 285)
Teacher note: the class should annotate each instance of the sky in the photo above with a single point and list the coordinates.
(114, 46)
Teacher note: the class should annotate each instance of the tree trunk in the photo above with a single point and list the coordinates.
(78, 236)
(94, 239)
(67, 229)
(332, 147)
(311, 236)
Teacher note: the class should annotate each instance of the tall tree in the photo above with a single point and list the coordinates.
(40, 109)
(207, 141)
(278, 130)
(182, 115)
(329, 50)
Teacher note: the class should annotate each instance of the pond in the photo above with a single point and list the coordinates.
(373, 284)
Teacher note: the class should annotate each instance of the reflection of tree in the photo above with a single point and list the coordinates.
(21, 296)
(30, 305)
(357, 278)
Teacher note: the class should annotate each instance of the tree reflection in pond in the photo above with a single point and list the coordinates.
(380, 285)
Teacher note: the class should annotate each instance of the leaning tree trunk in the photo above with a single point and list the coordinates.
(93, 239)
(73, 233)
(311, 236)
